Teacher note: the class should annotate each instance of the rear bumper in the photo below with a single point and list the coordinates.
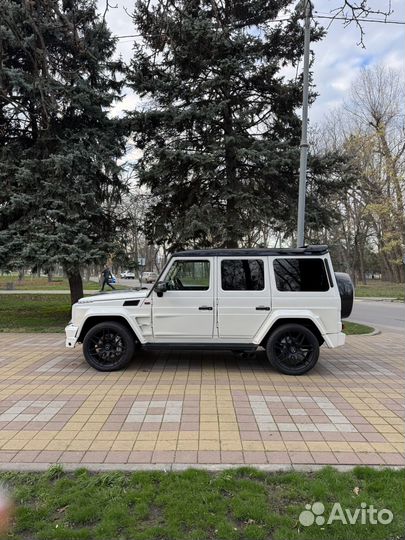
(335, 340)
(72, 333)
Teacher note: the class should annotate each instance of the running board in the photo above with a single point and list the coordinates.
(248, 347)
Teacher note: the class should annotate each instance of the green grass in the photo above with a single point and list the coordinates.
(352, 328)
(381, 289)
(34, 312)
(235, 504)
(33, 283)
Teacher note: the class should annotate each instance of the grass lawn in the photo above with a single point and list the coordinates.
(352, 328)
(235, 504)
(34, 312)
(381, 289)
(34, 283)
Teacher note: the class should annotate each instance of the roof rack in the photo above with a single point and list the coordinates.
(248, 252)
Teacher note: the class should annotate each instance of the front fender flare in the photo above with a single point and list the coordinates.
(94, 313)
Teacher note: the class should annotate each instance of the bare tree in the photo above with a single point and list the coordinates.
(377, 99)
(370, 129)
(357, 11)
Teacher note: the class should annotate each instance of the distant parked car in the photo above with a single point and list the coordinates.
(127, 275)
(149, 277)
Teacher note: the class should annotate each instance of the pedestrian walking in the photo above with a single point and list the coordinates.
(106, 278)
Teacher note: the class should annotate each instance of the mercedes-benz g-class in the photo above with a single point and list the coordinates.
(288, 301)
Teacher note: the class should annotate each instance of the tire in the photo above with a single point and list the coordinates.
(292, 349)
(108, 346)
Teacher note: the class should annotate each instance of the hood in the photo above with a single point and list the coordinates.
(118, 295)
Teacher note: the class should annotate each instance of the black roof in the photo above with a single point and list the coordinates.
(220, 252)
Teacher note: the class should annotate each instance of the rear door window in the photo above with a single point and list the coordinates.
(300, 275)
(242, 275)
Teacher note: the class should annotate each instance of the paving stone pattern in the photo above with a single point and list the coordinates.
(184, 407)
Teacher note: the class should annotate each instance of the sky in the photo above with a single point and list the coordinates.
(338, 57)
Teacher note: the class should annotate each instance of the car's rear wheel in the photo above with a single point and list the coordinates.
(292, 349)
(108, 346)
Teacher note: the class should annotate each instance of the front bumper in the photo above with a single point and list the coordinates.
(72, 333)
(335, 340)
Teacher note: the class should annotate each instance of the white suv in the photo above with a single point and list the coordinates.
(149, 277)
(288, 301)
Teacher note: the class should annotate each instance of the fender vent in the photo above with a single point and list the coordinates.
(131, 302)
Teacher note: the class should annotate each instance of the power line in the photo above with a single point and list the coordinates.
(329, 17)
(352, 19)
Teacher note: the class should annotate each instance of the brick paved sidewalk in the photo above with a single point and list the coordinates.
(200, 408)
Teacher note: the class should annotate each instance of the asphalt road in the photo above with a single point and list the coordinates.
(381, 314)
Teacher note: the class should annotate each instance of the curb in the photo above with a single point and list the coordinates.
(375, 332)
(377, 299)
(180, 467)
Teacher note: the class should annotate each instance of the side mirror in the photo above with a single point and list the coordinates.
(160, 288)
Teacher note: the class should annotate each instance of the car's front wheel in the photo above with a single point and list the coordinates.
(292, 349)
(108, 346)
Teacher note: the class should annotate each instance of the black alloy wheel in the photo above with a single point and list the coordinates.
(293, 349)
(108, 346)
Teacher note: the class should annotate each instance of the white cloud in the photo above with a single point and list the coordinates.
(338, 58)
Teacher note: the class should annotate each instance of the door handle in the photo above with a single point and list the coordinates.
(262, 308)
(205, 308)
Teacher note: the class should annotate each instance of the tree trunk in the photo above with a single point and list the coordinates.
(231, 235)
(87, 273)
(397, 273)
(76, 286)
(393, 178)
(355, 271)
(387, 274)
(362, 271)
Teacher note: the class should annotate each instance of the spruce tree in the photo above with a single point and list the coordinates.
(219, 127)
(60, 182)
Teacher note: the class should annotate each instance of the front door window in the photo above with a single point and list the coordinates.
(189, 276)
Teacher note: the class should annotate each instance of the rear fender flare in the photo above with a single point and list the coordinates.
(287, 316)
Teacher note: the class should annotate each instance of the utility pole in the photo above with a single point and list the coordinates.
(307, 6)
